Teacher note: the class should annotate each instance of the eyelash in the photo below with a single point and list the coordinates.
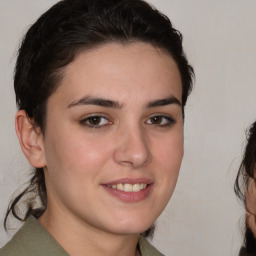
(168, 121)
(86, 121)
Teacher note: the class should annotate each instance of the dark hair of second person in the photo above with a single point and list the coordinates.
(245, 187)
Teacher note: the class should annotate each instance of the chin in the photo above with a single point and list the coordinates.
(133, 227)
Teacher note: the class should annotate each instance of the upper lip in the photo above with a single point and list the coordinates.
(129, 181)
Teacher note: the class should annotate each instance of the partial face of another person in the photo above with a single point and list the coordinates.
(250, 204)
(113, 142)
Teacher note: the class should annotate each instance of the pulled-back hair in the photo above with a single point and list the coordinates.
(246, 174)
(59, 35)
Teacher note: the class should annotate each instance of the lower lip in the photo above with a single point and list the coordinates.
(130, 196)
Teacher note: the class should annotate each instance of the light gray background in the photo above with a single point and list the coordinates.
(203, 217)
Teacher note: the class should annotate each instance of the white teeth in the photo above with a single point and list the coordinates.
(129, 187)
(143, 186)
(136, 188)
(120, 187)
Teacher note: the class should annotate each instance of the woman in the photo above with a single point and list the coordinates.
(101, 88)
(245, 188)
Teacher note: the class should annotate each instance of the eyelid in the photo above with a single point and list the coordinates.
(170, 120)
(87, 118)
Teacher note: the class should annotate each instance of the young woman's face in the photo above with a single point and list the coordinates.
(114, 137)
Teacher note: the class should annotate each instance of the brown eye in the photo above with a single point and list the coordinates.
(162, 121)
(156, 119)
(95, 121)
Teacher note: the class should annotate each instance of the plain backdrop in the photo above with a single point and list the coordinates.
(203, 217)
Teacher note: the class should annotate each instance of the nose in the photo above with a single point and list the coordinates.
(133, 148)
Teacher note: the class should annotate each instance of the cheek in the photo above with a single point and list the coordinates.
(169, 155)
(73, 162)
(75, 149)
(170, 151)
(74, 158)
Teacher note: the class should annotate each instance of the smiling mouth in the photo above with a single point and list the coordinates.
(130, 190)
(128, 187)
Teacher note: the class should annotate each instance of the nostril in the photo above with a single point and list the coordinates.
(126, 163)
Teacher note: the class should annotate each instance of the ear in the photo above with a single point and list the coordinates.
(31, 139)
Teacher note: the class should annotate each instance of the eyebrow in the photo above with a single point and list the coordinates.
(96, 101)
(163, 102)
(114, 104)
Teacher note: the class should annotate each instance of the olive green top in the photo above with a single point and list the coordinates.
(34, 240)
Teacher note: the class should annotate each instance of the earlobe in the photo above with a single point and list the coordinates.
(31, 139)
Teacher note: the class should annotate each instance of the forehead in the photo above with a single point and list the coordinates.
(115, 70)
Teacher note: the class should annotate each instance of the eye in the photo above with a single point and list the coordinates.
(160, 120)
(95, 121)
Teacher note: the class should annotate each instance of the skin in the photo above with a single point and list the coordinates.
(136, 138)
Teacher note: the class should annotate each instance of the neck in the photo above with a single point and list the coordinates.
(80, 238)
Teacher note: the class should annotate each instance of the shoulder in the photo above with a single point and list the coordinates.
(32, 240)
(147, 249)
